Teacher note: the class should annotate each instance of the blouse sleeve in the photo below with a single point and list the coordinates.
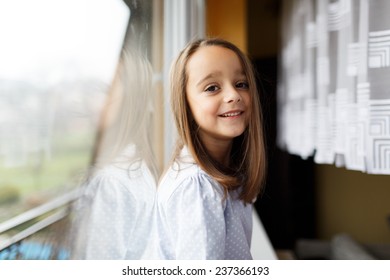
(105, 214)
(195, 215)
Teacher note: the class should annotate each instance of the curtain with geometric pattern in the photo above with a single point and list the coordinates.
(334, 82)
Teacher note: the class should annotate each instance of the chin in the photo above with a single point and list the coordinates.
(236, 134)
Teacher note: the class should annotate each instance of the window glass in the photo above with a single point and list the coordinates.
(58, 59)
(80, 83)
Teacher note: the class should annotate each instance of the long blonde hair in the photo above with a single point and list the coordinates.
(248, 152)
(127, 118)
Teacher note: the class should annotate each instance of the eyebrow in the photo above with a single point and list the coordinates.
(209, 76)
(216, 74)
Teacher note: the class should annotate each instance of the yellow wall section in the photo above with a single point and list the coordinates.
(353, 202)
(227, 19)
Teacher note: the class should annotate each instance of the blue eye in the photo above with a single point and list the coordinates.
(242, 85)
(212, 88)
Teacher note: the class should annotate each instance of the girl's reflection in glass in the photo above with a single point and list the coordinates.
(113, 214)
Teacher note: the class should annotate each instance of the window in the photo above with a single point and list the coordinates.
(58, 60)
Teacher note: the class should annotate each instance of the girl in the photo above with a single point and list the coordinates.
(203, 208)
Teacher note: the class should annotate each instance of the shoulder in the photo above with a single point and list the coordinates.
(113, 180)
(188, 182)
(107, 177)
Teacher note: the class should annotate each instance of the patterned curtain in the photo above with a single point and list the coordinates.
(334, 82)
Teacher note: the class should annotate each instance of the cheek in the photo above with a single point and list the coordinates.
(248, 104)
(202, 109)
(208, 108)
(203, 114)
(247, 99)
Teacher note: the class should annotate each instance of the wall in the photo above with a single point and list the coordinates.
(353, 202)
(227, 19)
(263, 28)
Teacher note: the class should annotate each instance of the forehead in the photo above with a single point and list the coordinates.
(214, 58)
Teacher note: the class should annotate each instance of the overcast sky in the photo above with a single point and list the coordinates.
(45, 41)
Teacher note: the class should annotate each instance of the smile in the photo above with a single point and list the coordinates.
(231, 114)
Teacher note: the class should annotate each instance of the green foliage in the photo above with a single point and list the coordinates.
(9, 194)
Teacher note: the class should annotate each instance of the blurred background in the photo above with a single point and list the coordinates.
(323, 69)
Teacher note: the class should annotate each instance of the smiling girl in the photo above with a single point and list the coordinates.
(204, 200)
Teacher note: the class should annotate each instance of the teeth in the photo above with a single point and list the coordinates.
(231, 114)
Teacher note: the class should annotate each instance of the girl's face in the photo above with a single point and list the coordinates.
(218, 94)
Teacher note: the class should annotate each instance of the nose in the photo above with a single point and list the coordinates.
(232, 95)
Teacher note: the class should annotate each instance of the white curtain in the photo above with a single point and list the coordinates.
(334, 82)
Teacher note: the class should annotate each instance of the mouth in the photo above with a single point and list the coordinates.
(231, 114)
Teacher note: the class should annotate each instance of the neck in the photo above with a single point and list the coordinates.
(220, 151)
